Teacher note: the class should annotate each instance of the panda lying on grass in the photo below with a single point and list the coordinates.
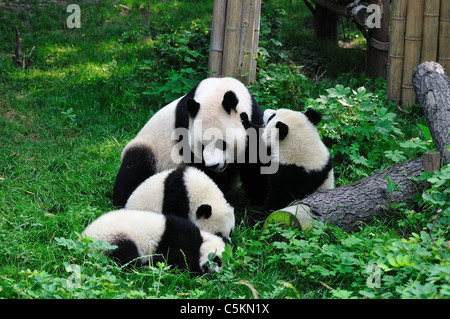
(142, 237)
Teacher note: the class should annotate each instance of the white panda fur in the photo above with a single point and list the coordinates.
(140, 234)
(217, 102)
(302, 146)
(304, 162)
(189, 193)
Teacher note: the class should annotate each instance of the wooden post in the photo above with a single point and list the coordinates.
(217, 35)
(413, 43)
(396, 50)
(378, 44)
(430, 30)
(431, 163)
(444, 35)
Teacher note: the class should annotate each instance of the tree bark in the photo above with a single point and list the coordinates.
(432, 87)
(350, 205)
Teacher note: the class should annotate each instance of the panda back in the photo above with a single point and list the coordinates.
(144, 229)
(149, 195)
(157, 136)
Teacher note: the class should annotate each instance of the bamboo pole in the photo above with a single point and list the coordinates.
(217, 38)
(247, 40)
(396, 50)
(231, 43)
(413, 44)
(444, 35)
(430, 30)
(252, 76)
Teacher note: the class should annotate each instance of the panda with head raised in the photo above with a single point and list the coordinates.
(210, 114)
(141, 236)
(186, 192)
(303, 160)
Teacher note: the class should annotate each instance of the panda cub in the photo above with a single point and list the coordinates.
(189, 193)
(304, 162)
(139, 235)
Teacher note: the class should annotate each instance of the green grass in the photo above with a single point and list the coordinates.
(65, 120)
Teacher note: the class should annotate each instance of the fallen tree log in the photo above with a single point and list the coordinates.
(432, 87)
(350, 205)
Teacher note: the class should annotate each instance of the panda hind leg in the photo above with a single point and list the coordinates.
(126, 253)
(138, 164)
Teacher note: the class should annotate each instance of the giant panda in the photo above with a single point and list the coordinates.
(304, 162)
(139, 235)
(189, 193)
(216, 139)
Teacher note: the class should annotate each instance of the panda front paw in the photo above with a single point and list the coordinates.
(245, 120)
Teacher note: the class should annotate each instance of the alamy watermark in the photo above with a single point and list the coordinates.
(74, 20)
(374, 279)
(373, 19)
(74, 280)
(192, 143)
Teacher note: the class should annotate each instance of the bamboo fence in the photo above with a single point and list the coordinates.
(444, 35)
(234, 39)
(420, 31)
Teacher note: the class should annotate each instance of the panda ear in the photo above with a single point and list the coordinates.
(313, 116)
(192, 107)
(204, 211)
(283, 130)
(230, 101)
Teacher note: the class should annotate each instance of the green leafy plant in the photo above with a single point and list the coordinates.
(363, 132)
